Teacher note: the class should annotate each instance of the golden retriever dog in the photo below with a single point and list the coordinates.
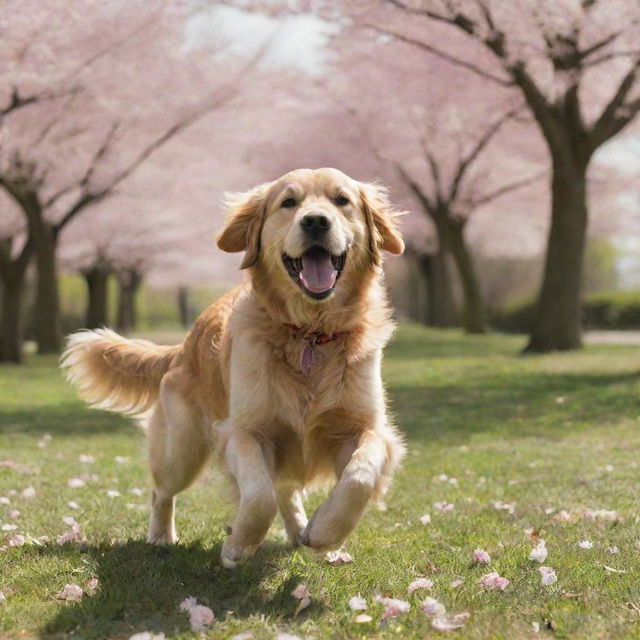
(280, 379)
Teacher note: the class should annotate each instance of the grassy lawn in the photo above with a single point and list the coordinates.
(542, 434)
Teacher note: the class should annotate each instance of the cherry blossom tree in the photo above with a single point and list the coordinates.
(576, 65)
(450, 151)
(120, 82)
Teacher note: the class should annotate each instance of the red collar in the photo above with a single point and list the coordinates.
(314, 337)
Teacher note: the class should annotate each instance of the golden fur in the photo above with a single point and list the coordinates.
(235, 387)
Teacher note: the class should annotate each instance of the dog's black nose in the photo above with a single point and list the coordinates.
(315, 225)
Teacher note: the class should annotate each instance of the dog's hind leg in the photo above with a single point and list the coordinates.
(292, 512)
(179, 445)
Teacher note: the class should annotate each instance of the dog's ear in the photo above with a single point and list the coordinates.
(245, 217)
(382, 221)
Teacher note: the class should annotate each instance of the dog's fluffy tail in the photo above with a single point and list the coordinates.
(115, 373)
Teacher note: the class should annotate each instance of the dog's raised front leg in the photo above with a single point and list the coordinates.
(253, 473)
(363, 463)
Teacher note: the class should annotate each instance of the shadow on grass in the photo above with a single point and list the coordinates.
(142, 585)
(66, 419)
(529, 404)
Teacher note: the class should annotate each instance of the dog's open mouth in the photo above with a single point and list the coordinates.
(316, 271)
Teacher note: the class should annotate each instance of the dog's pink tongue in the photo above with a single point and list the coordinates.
(318, 274)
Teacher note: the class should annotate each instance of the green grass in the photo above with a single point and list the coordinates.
(539, 431)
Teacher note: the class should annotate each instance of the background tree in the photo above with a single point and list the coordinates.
(109, 65)
(576, 65)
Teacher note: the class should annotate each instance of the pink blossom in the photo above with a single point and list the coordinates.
(338, 558)
(304, 595)
(494, 581)
(9, 527)
(73, 535)
(16, 540)
(548, 576)
(540, 553)
(4, 500)
(585, 544)
(393, 607)
(481, 556)
(29, 492)
(70, 593)
(14, 513)
(450, 623)
(86, 459)
(602, 514)
(76, 483)
(137, 492)
(200, 617)
(563, 516)
(613, 549)
(147, 635)
(457, 583)
(357, 603)
(244, 635)
(443, 507)
(420, 583)
(73, 504)
(433, 608)
(425, 519)
(112, 493)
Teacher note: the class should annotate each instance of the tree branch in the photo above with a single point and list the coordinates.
(507, 188)
(481, 144)
(424, 199)
(610, 122)
(504, 82)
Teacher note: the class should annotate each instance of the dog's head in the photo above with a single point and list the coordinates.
(312, 230)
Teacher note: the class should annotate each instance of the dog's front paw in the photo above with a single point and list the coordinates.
(231, 555)
(324, 533)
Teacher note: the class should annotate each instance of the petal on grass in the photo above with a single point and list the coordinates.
(147, 635)
(481, 556)
(540, 552)
(433, 607)
(363, 618)
(338, 558)
(494, 581)
(302, 594)
(420, 583)
(357, 603)
(450, 623)
(585, 544)
(547, 576)
(70, 593)
(425, 519)
(392, 607)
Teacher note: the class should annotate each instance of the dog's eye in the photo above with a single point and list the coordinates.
(341, 201)
(288, 203)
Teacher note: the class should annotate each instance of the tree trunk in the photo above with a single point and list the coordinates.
(97, 279)
(557, 324)
(474, 315)
(129, 281)
(11, 323)
(183, 307)
(440, 306)
(47, 307)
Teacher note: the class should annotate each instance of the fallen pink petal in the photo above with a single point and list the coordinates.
(481, 556)
(200, 616)
(433, 608)
(70, 593)
(457, 583)
(338, 558)
(363, 618)
(76, 483)
(16, 540)
(420, 583)
(304, 595)
(357, 603)
(540, 552)
(393, 607)
(585, 544)
(450, 623)
(494, 581)
(547, 576)
(425, 519)
(29, 492)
